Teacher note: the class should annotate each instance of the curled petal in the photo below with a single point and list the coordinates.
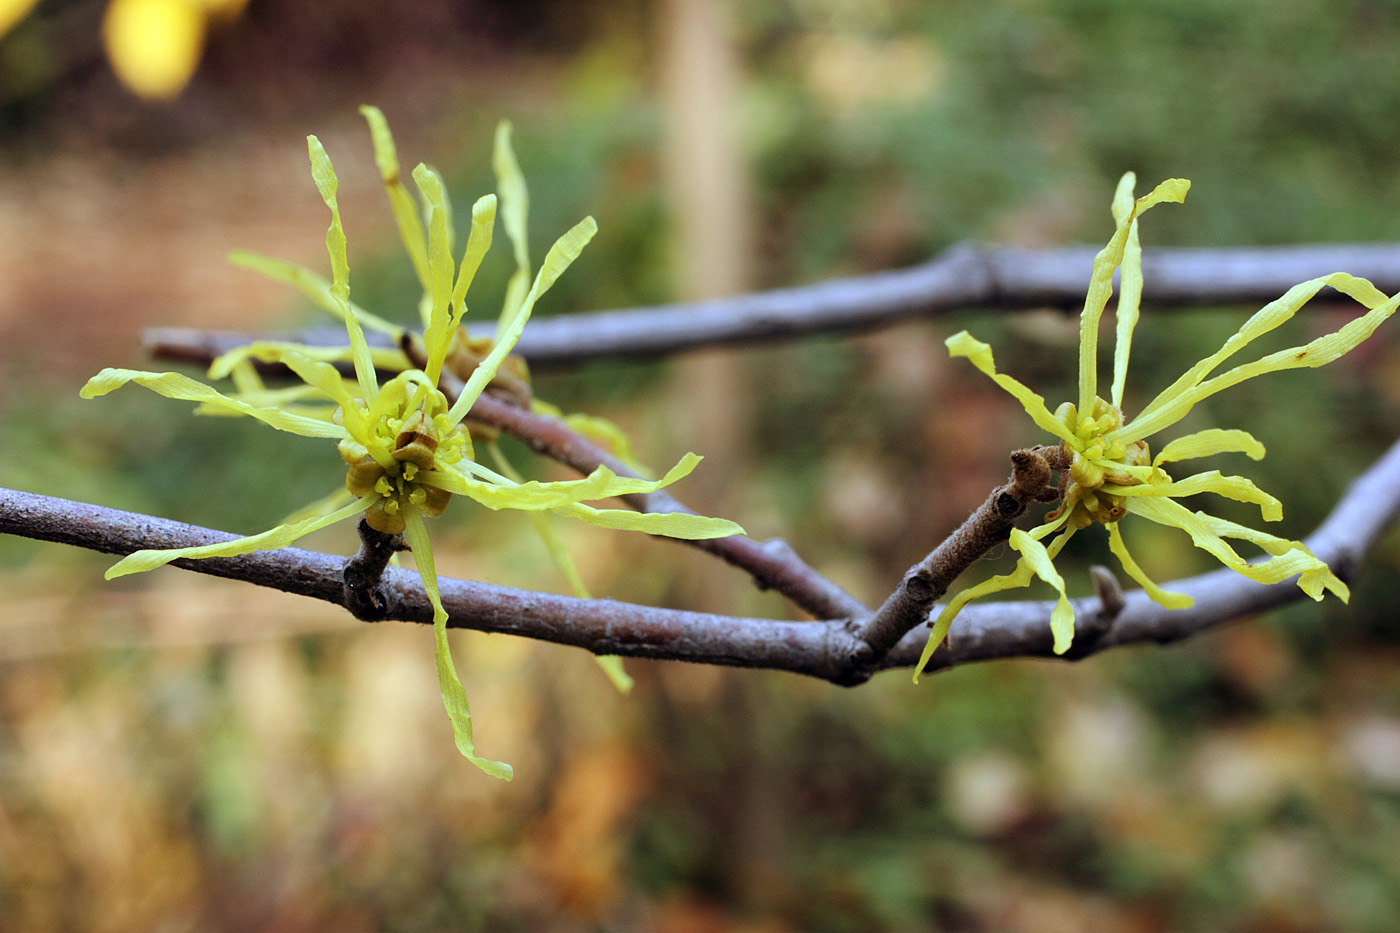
(515, 207)
(1208, 443)
(1119, 547)
(1101, 285)
(1207, 533)
(561, 255)
(1019, 577)
(681, 525)
(269, 540)
(323, 172)
(1038, 559)
(454, 697)
(1231, 487)
(400, 201)
(313, 286)
(177, 386)
(1173, 403)
(980, 354)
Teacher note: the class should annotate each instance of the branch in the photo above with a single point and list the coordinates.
(818, 649)
(965, 277)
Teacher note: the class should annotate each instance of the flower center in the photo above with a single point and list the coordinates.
(1095, 461)
(410, 443)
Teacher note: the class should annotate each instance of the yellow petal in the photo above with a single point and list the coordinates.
(1129, 289)
(1231, 487)
(561, 255)
(680, 525)
(1173, 403)
(177, 386)
(1019, 577)
(515, 208)
(436, 334)
(980, 354)
(1208, 443)
(269, 540)
(1101, 286)
(454, 696)
(1038, 559)
(326, 182)
(1119, 547)
(478, 242)
(400, 201)
(548, 531)
(154, 45)
(313, 287)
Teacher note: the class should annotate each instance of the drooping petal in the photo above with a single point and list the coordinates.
(548, 531)
(1167, 600)
(454, 696)
(177, 386)
(561, 255)
(1208, 443)
(400, 201)
(1038, 559)
(1173, 403)
(1316, 575)
(326, 182)
(980, 354)
(1206, 533)
(313, 286)
(269, 540)
(1020, 576)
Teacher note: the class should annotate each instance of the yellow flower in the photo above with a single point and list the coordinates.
(406, 449)
(1107, 470)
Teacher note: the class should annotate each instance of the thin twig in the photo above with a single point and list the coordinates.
(965, 277)
(908, 606)
(817, 649)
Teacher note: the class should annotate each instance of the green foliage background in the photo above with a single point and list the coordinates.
(179, 754)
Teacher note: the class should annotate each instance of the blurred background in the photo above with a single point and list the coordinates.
(181, 753)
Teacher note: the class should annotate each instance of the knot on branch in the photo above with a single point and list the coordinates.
(364, 596)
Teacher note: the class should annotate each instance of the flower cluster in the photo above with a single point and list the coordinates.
(406, 447)
(1107, 470)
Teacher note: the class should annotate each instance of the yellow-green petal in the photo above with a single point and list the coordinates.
(436, 334)
(1231, 487)
(681, 525)
(326, 182)
(1101, 285)
(1162, 597)
(313, 286)
(478, 242)
(980, 354)
(1173, 403)
(1208, 443)
(270, 540)
(1129, 289)
(400, 201)
(454, 696)
(515, 209)
(561, 255)
(1038, 559)
(545, 527)
(177, 386)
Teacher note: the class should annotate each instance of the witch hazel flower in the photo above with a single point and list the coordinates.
(1105, 461)
(406, 447)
